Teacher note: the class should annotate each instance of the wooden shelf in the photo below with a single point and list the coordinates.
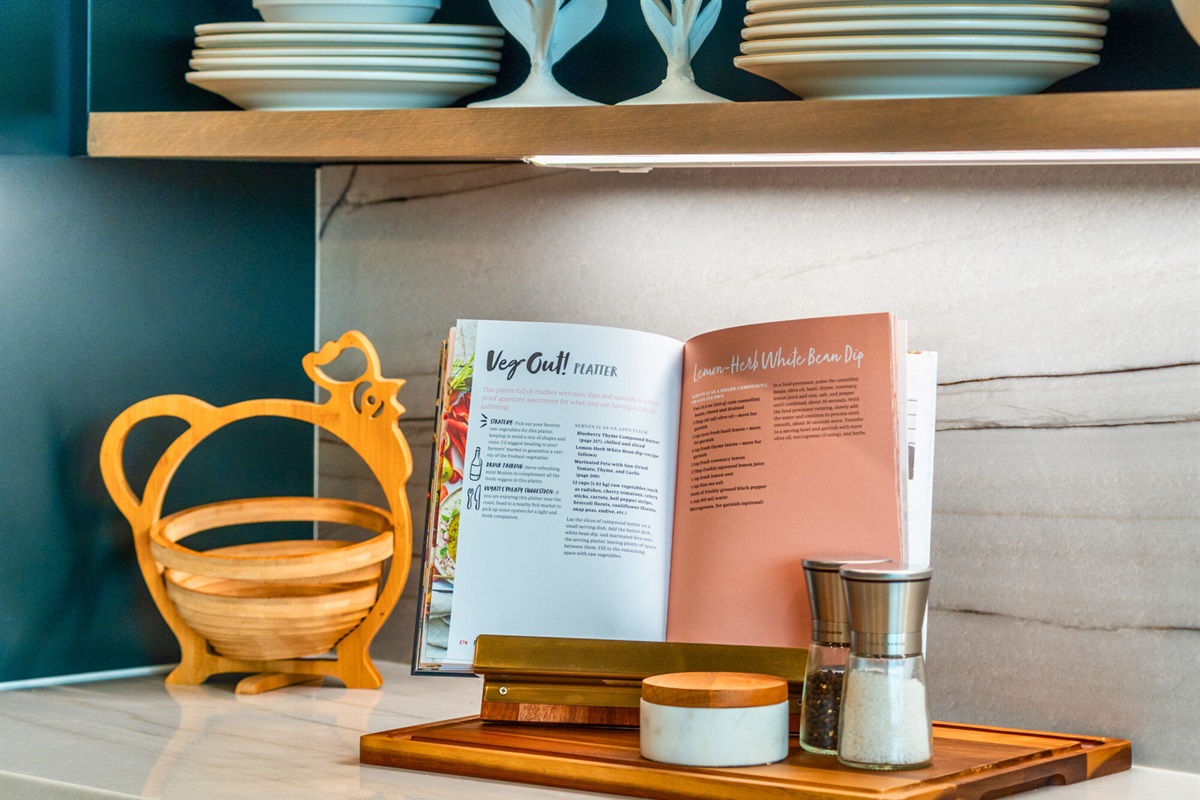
(1143, 120)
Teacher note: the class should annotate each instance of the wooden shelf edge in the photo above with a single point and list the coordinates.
(1056, 122)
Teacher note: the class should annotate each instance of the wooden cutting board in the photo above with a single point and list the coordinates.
(970, 762)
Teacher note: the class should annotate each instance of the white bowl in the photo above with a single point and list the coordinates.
(345, 34)
(877, 27)
(755, 6)
(210, 63)
(329, 52)
(929, 11)
(214, 28)
(339, 39)
(399, 11)
(313, 90)
(876, 74)
(927, 41)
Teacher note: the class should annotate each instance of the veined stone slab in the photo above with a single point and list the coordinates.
(1116, 397)
(1007, 270)
(1012, 672)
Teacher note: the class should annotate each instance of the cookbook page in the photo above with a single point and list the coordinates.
(790, 446)
(561, 483)
(921, 380)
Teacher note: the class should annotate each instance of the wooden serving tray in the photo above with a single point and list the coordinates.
(970, 762)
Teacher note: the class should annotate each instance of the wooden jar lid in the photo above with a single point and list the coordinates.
(714, 690)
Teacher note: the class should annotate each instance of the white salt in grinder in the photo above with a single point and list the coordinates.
(884, 721)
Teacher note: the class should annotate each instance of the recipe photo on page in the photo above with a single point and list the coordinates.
(560, 492)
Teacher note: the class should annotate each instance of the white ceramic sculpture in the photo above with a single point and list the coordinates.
(680, 30)
(547, 29)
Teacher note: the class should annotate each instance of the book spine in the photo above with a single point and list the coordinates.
(431, 508)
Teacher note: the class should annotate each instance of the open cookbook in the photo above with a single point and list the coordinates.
(605, 483)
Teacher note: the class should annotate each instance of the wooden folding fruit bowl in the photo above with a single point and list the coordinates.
(270, 600)
(276, 608)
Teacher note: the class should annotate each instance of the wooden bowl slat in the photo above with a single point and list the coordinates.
(266, 564)
(275, 635)
(265, 651)
(268, 625)
(312, 636)
(287, 548)
(283, 608)
(250, 510)
(303, 547)
(278, 607)
(222, 587)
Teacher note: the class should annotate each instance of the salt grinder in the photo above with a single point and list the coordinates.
(884, 721)
(829, 651)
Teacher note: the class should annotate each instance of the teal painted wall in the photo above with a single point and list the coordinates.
(43, 77)
(120, 280)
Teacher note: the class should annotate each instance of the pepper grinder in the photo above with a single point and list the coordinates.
(827, 655)
(884, 721)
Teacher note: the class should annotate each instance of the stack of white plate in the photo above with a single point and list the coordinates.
(300, 66)
(920, 48)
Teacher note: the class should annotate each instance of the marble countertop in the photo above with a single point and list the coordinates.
(136, 737)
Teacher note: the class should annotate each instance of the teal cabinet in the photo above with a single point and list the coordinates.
(119, 280)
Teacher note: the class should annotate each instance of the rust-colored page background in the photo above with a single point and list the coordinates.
(788, 448)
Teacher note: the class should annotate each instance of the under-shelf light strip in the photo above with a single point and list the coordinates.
(642, 163)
